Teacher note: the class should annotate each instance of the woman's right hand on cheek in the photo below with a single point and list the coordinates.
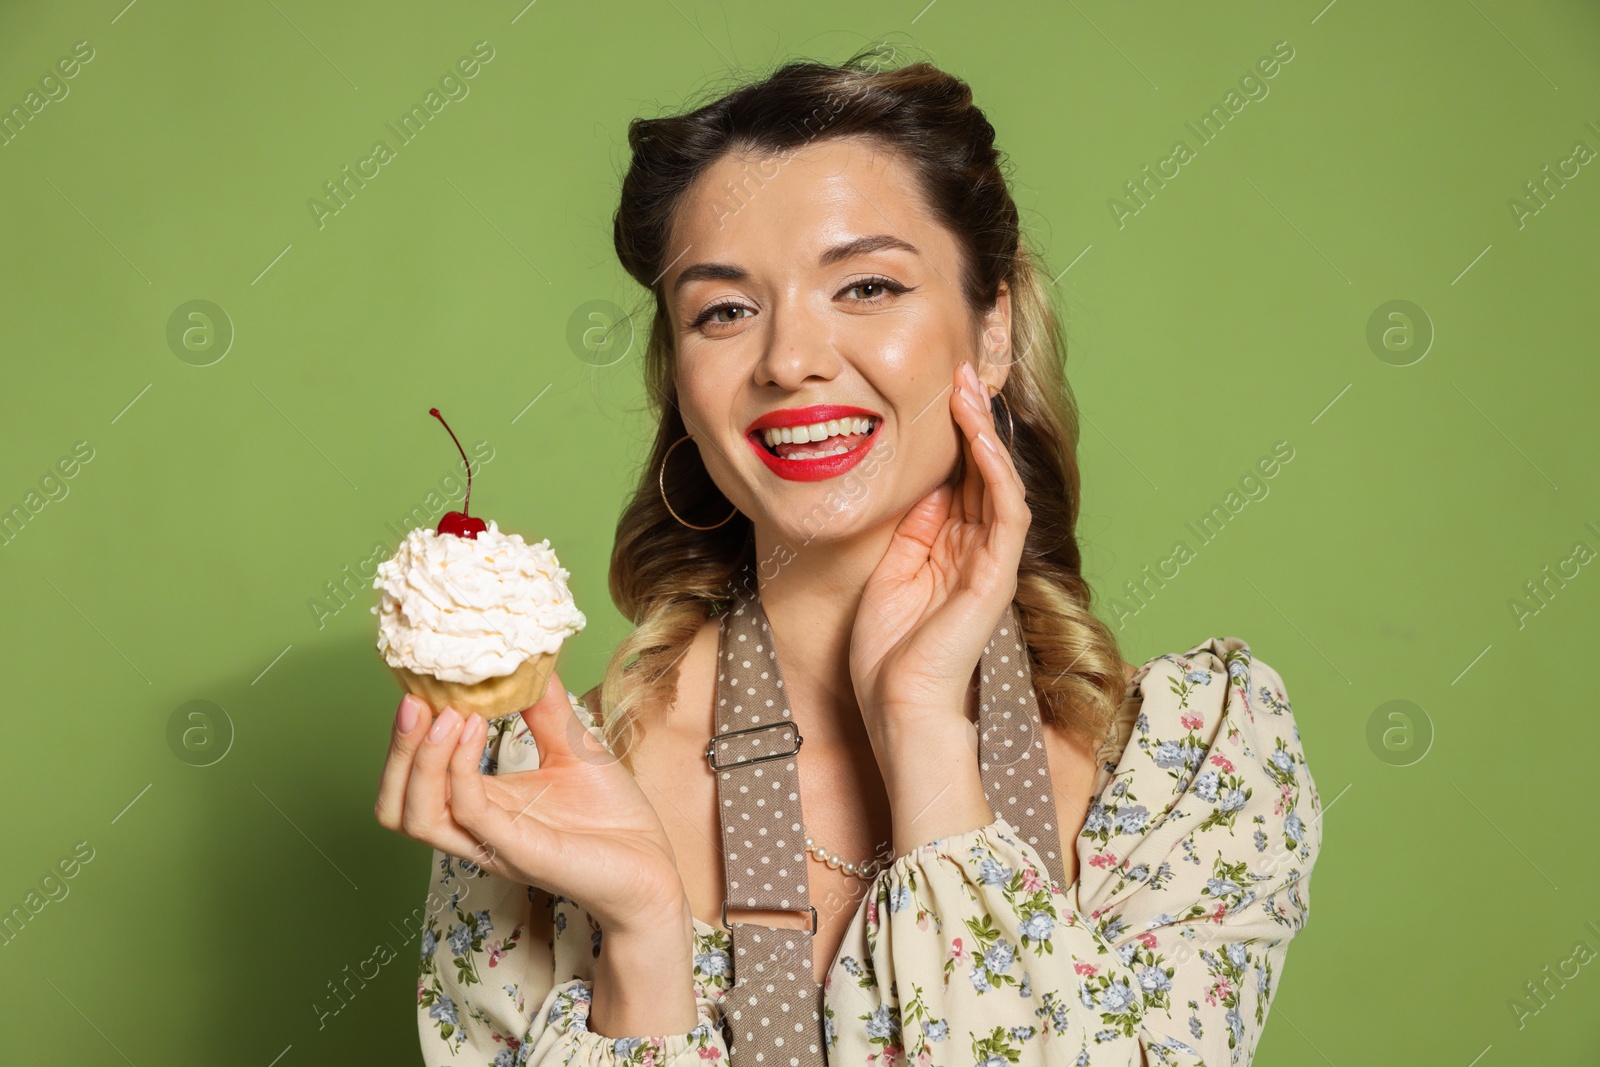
(578, 825)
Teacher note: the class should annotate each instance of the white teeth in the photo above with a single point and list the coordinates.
(816, 432)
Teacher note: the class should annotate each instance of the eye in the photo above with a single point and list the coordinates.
(885, 287)
(707, 315)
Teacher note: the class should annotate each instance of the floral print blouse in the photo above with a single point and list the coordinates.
(1194, 873)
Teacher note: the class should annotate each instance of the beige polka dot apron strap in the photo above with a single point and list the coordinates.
(774, 1008)
(1011, 752)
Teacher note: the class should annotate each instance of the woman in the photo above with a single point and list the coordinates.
(844, 236)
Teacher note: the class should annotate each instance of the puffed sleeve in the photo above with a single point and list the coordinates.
(488, 989)
(561, 1035)
(1194, 873)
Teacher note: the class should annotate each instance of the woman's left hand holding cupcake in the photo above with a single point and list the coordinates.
(926, 613)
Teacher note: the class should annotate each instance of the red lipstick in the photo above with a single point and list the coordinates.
(811, 470)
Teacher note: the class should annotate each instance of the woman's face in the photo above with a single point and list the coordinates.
(819, 279)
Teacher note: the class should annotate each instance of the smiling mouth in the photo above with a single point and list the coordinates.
(817, 440)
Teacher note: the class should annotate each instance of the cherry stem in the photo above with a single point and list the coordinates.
(466, 505)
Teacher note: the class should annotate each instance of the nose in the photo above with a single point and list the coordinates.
(798, 349)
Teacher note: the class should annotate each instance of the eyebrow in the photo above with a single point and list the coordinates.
(860, 246)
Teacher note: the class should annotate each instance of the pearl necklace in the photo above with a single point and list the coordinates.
(865, 871)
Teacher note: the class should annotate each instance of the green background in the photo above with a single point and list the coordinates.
(1230, 313)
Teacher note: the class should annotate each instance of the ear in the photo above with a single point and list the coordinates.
(994, 353)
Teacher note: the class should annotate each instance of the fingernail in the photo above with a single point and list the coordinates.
(984, 440)
(447, 722)
(971, 376)
(469, 730)
(406, 717)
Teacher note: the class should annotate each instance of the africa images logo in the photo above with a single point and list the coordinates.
(452, 86)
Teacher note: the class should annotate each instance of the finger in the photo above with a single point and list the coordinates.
(397, 767)
(481, 820)
(969, 501)
(964, 504)
(916, 533)
(974, 485)
(975, 419)
(919, 528)
(550, 722)
(445, 834)
(427, 789)
(1006, 508)
(1004, 498)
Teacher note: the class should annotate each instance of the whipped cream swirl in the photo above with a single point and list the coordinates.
(466, 609)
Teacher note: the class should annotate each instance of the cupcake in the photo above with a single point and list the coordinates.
(471, 617)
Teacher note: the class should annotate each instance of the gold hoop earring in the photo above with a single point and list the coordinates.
(661, 480)
(1011, 426)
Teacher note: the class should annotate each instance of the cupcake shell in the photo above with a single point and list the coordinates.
(491, 698)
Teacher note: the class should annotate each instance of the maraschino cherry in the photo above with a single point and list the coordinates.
(460, 523)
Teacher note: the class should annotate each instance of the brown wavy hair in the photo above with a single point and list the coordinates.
(668, 579)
